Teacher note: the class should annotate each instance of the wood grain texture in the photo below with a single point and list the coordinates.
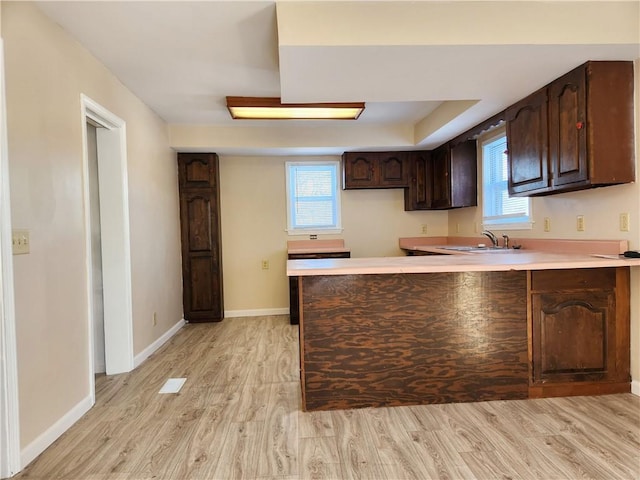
(200, 237)
(580, 331)
(374, 340)
(232, 421)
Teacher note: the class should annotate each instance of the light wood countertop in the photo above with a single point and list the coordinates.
(477, 262)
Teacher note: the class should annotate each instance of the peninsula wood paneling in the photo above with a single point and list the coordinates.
(384, 340)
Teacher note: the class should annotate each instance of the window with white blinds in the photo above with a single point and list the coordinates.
(313, 197)
(498, 208)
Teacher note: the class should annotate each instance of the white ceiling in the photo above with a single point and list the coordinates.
(404, 59)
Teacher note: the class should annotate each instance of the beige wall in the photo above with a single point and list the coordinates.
(601, 208)
(46, 71)
(253, 204)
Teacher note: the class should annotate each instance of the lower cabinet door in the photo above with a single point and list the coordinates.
(573, 336)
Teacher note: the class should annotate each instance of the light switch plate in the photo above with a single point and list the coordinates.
(20, 242)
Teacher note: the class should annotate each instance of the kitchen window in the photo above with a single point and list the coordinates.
(498, 208)
(313, 197)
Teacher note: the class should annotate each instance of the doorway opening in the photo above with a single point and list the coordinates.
(99, 364)
(110, 310)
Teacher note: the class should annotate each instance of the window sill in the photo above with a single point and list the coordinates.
(333, 231)
(508, 226)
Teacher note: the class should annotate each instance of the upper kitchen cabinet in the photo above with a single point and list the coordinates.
(455, 174)
(419, 194)
(443, 178)
(576, 133)
(527, 140)
(375, 170)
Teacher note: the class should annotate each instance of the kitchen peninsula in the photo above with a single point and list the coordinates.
(455, 328)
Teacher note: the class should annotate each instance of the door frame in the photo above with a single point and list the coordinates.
(9, 401)
(116, 245)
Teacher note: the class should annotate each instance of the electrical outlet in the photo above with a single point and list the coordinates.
(424, 228)
(580, 223)
(457, 228)
(475, 227)
(20, 242)
(624, 222)
(547, 224)
(154, 319)
(265, 264)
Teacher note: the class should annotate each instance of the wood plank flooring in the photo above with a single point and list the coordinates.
(239, 417)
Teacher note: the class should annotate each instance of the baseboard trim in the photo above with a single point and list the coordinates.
(635, 387)
(40, 444)
(256, 313)
(147, 352)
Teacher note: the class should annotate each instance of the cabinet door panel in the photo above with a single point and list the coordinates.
(200, 218)
(196, 170)
(464, 174)
(201, 284)
(441, 181)
(419, 194)
(573, 336)
(568, 129)
(393, 170)
(360, 170)
(527, 138)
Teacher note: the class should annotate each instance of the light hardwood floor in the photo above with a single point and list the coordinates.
(238, 416)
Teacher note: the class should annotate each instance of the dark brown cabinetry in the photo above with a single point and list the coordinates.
(443, 178)
(419, 194)
(294, 289)
(375, 170)
(575, 133)
(527, 141)
(200, 235)
(580, 331)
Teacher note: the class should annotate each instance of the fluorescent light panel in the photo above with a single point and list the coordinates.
(271, 108)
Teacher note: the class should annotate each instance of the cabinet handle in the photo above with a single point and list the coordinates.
(580, 125)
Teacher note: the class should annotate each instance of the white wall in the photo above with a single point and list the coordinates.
(46, 71)
(253, 203)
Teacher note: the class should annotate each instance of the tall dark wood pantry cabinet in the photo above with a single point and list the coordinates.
(198, 176)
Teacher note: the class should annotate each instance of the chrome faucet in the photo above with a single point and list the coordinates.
(491, 236)
(505, 237)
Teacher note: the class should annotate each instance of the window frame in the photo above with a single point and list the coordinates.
(502, 221)
(336, 194)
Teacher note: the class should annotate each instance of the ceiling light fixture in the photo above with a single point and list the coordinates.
(271, 108)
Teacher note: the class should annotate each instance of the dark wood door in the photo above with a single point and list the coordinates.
(464, 174)
(568, 129)
(360, 170)
(200, 237)
(441, 180)
(574, 334)
(418, 196)
(527, 143)
(394, 169)
(574, 325)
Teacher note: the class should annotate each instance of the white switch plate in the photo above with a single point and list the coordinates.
(580, 223)
(20, 242)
